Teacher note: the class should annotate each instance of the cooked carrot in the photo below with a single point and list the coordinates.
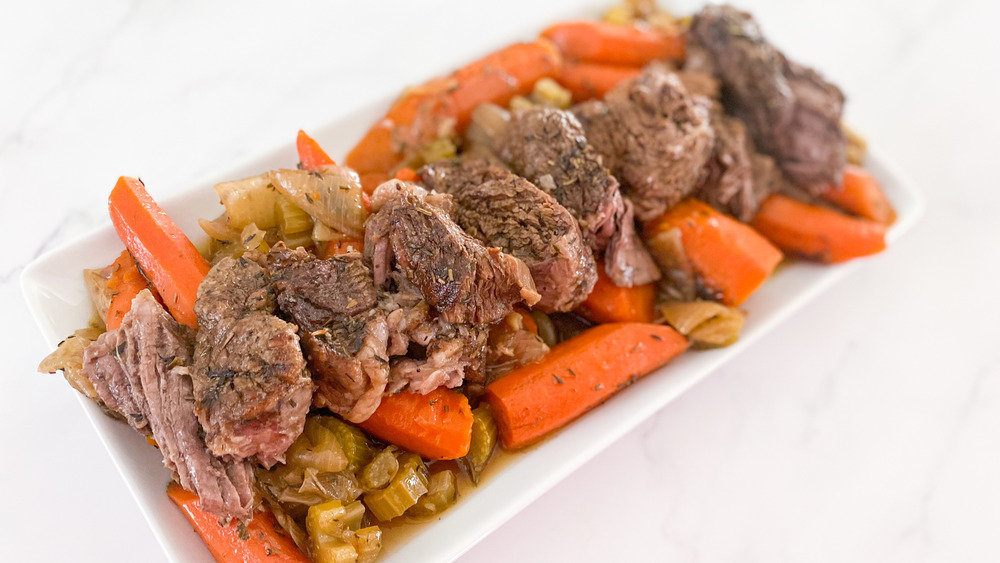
(165, 254)
(311, 155)
(815, 232)
(407, 174)
(343, 246)
(498, 77)
(613, 44)
(576, 376)
(125, 283)
(588, 81)
(861, 194)
(437, 425)
(418, 116)
(262, 539)
(730, 258)
(527, 320)
(608, 303)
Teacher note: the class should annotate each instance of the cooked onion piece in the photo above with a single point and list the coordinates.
(250, 200)
(68, 357)
(331, 195)
(706, 323)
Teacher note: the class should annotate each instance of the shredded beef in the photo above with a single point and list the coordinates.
(502, 209)
(343, 333)
(655, 137)
(463, 280)
(251, 388)
(141, 373)
(548, 147)
(792, 113)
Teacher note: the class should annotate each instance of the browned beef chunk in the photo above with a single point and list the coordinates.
(141, 372)
(503, 209)
(251, 387)
(729, 185)
(654, 136)
(791, 112)
(463, 280)
(427, 351)
(343, 332)
(548, 147)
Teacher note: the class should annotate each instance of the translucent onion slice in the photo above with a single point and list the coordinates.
(708, 324)
(331, 195)
(250, 200)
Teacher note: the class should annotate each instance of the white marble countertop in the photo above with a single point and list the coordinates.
(864, 429)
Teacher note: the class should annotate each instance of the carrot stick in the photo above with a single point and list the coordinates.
(608, 303)
(437, 425)
(259, 540)
(576, 376)
(498, 77)
(730, 258)
(861, 194)
(165, 254)
(613, 44)
(344, 246)
(407, 174)
(311, 155)
(588, 81)
(125, 283)
(816, 232)
(419, 115)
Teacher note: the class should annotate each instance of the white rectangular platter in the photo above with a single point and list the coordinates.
(54, 290)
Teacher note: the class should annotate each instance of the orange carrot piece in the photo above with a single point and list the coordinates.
(613, 44)
(407, 175)
(861, 194)
(344, 246)
(499, 76)
(311, 155)
(608, 303)
(527, 320)
(731, 258)
(576, 376)
(125, 283)
(262, 539)
(588, 81)
(418, 116)
(437, 425)
(815, 232)
(165, 254)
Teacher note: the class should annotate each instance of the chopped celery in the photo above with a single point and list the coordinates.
(366, 541)
(335, 536)
(334, 551)
(380, 470)
(484, 440)
(442, 490)
(352, 440)
(406, 487)
(546, 330)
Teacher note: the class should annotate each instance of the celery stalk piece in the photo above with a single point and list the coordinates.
(442, 491)
(405, 489)
(380, 470)
(484, 440)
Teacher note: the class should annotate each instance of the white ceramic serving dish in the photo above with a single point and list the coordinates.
(54, 290)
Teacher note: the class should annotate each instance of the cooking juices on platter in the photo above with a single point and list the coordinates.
(361, 345)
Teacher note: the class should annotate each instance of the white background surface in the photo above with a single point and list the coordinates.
(865, 429)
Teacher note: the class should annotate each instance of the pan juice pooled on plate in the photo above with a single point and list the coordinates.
(509, 247)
